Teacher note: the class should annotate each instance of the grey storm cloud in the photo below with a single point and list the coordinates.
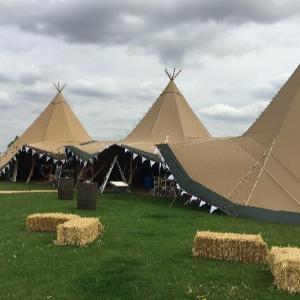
(230, 113)
(5, 78)
(91, 92)
(27, 78)
(269, 89)
(167, 28)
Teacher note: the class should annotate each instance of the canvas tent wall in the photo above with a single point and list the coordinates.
(255, 175)
(169, 120)
(56, 127)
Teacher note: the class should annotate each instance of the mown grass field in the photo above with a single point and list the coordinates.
(144, 253)
(20, 186)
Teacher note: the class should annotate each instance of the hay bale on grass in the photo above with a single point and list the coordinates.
(230, 246)
(47, 222)
(79, 232)
(285, 267)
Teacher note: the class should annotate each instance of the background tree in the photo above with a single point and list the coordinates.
(12, 141)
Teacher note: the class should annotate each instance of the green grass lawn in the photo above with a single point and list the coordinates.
(17, 186)
(144, 253)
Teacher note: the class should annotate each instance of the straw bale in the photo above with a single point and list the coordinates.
(285, 267)
(47, 222)
(230, 246)
(79, 231)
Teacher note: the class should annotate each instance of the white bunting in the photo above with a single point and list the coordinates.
(26, 149)
(182, 193)
(63, 161)
(7, 167)
(171, 177)
(178, 186)
(91, 160)
(126, 150)
(152, 163)
(193, 198)
(212, 209)
(41, 155)
(85, 163)
(134, 155)
(54, 160)
(202, 203)
(143, 159)
(96, 157)
(14, 158)
(156, 150)
(33, 152)
(47, 158)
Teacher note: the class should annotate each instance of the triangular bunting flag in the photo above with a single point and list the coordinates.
(41, 155)
(152, 163)
(134, 155)
(202, 203)
(193, 198)
(212, 209)
(171, 177)
(143, 159)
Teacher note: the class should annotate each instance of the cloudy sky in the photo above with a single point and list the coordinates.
(235, 55)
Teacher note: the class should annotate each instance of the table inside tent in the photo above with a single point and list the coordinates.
(119, 186)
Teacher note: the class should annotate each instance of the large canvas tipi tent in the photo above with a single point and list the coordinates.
(56, 127)
(169, 120)
(255, 175)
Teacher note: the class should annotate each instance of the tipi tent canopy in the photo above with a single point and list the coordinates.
(169, 120)
(255, 175)
(56, 127)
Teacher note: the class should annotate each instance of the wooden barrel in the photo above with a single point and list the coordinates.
(69, 173)
(66, 188)
(87, 195)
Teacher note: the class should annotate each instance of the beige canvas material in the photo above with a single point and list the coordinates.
(170, 119)
(94, 147)
(57, 126)
(259, 168)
